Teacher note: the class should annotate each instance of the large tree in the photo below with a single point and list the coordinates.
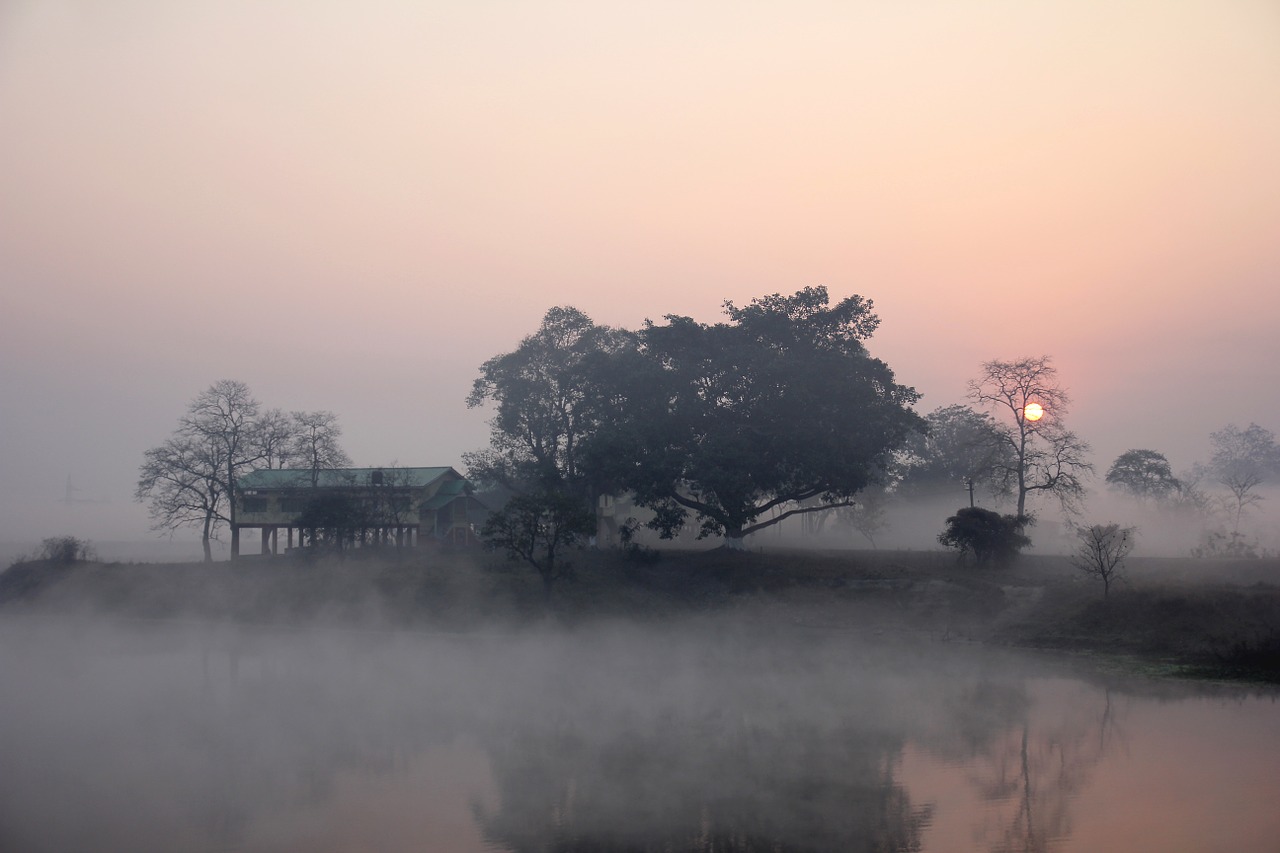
(1243, 459)
(1047, 458)
(547, 402)
(740, 424)
(548, 406)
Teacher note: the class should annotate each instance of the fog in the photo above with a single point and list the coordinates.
(709, 733)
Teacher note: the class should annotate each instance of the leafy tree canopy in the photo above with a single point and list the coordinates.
(958, 445)
(730, 422)
(547, 403)
(1143, 474)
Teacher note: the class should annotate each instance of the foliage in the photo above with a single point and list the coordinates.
(66, 549)
(985, 536)
(782, 406)
(1046, 457)
(1102, 551)
(331, 520)
(958, 446)
(548, 404)
(536, 528)
(1242, 460)
(1143, 474)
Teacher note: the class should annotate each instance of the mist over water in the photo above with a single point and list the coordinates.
(706, 734)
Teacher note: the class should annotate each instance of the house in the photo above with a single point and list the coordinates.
(410, 507)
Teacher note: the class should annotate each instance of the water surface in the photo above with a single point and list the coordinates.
(705, 735)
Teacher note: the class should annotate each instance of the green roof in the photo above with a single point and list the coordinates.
(293, 478)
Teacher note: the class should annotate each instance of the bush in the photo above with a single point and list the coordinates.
(985, 536)
(66, 549)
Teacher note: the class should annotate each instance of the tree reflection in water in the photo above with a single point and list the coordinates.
(714, 736)
(1031, 770)
(684, 788)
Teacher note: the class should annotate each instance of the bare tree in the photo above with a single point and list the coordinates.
(1102, 552)
(225, 415)
(1046, 456)
(274, 438)
(182, 480)
(314, 445)
(190, 478)
(1244, 459)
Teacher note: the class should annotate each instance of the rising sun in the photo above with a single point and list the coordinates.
(1033, 411)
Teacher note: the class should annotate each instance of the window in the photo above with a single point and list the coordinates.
(255, 505)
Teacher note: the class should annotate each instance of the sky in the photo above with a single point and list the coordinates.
(350, 206)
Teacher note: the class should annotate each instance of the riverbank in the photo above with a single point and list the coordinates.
(1216, 619)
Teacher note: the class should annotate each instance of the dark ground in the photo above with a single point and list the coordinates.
(1201, 618)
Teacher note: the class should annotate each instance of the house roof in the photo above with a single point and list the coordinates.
(446, 493)
(292, 478)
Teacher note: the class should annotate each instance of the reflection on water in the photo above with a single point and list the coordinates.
(707, 737)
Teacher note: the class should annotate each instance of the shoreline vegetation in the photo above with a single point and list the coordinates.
(1182, 617)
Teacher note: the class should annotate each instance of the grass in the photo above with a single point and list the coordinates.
(1216, 619)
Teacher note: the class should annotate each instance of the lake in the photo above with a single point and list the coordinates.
(722, 734)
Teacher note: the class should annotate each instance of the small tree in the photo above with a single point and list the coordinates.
(867, 516)
(988, 537)
(1244, 459)
(536, 528)
(1102, 552)
(1143, 474)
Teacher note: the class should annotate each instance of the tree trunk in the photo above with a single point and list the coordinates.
(734, 541)
(204, 540)
(231, 508)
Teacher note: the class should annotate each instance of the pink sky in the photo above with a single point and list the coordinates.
(351, 205)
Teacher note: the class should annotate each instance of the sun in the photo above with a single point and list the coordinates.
(1033, 411)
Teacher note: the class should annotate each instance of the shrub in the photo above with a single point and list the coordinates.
(66, 549)
(985, 536)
